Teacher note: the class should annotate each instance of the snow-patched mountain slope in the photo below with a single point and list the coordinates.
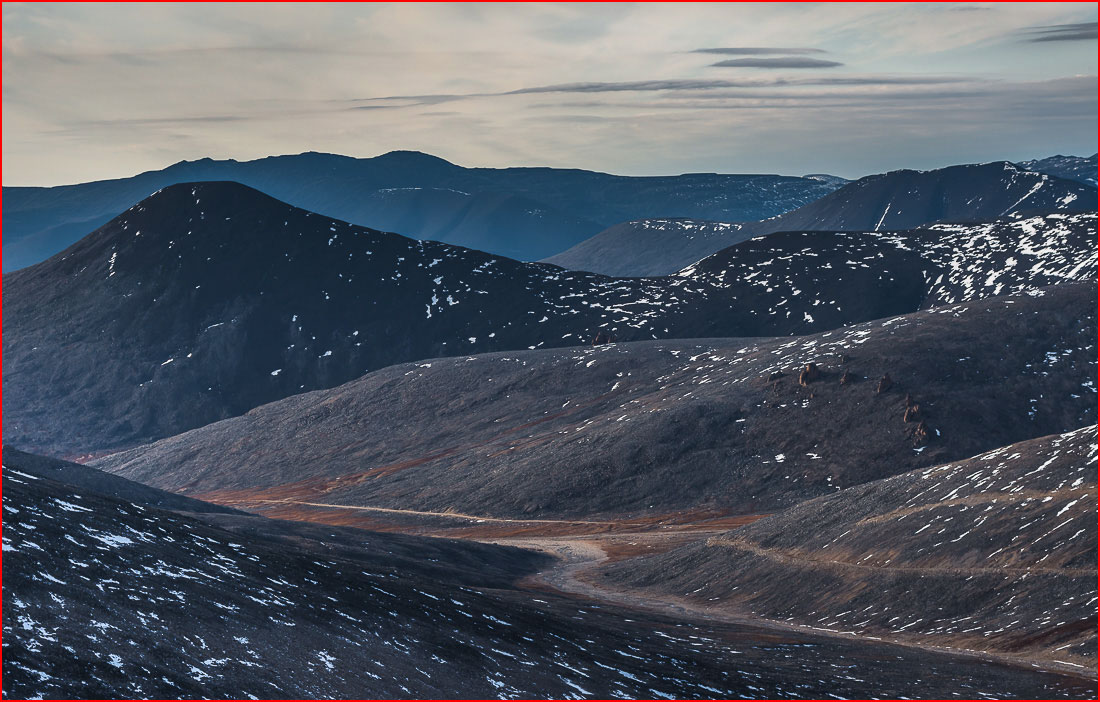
(207, 300)
(959, 262)
(883, 202)
(1082, 168)
(971, 193)
(994, 553)
(107, 598)
(657, 428)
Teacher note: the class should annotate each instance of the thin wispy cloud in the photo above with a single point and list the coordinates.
(399, 101)
(756, 51)
(779, 62)
(1080, 31)
(670, 84)
(634, 86)
(681, 84)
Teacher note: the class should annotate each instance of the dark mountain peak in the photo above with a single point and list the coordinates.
(1064, 157)
(186, 161)
(216, 191)
(414, 157)
(414, 167)
(988, 172)
(414, 164)
(827, 178)
(197, 169)
(196, 166)
(186, 235)
(1006, 167)
(321, 154)
(990, 169)
(990, 165)
(205, 160)
(308, 159)
(191, 206)
(909, 198)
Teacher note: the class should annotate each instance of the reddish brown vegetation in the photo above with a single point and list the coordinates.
(809, 374)
(884, 384)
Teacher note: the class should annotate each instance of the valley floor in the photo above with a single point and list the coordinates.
(580, 549)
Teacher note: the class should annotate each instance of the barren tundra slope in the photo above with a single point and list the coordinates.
(995, 553)
(111, 598)
(207, 300)
(883, 202)
(652, 428)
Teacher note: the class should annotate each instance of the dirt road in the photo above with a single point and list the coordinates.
(575, 572)
(580, 547)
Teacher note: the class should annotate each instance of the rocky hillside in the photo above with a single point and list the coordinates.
(657, 428)
(993, 553)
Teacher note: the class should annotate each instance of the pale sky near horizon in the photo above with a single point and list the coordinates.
(94, 91)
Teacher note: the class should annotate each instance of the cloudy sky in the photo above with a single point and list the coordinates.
(100, 90)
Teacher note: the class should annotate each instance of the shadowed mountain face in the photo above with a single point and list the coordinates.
(523, 213)
(996, 552)
(656, 428)
(889, 201)
(1079, 168)
(207, 300)
(107, 597)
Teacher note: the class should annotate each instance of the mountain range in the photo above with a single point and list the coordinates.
(523, 213)
(844, 447)
(889, 201)
(206, 300)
